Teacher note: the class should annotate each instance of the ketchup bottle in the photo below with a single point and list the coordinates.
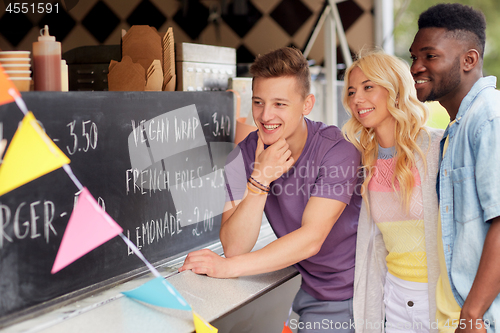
(47, 62)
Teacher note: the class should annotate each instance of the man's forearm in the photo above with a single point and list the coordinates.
(241, 226)
(318, 219)
(486, 285)
(283, 252)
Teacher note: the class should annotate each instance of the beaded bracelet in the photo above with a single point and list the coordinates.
(254, 191)
(255, 180)
(263, 189)
(257, 185)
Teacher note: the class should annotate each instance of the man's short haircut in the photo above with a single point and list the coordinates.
(286, 61)
(464, 22)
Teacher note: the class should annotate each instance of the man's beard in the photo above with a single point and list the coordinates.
(448, 84)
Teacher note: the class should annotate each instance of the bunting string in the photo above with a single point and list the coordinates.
(19, 101)
(139, 254)
(72, 176)
(63, 259)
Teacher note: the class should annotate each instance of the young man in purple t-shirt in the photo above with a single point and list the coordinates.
(304, 176)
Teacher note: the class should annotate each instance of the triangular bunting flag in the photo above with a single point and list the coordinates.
(88, 227)
(201, 326)
(286, 329)
(159, 292)
(7, 89)
(30, 155)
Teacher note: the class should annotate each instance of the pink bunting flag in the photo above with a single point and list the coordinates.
(89, 227)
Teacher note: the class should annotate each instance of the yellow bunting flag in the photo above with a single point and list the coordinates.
(201, 326)
(7, 89)
(31, 154)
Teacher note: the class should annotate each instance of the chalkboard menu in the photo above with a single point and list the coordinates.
(153, 160)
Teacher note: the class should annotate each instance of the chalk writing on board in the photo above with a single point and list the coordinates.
(30, 220)
(146, 181)
(186, 129)
(222, 125)
(208, 222)
(147, 210)
(159, 129)
(41, 215)
(150, 142)
(88, 139)
(150, 148)
(100, 201)
(156, 130)
(154, 230)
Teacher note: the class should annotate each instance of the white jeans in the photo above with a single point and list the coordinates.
(406, 306)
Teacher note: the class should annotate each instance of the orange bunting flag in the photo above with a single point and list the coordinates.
(201, 326)
(8, 90)
(89, 226)
(30, 155)
(286, 329)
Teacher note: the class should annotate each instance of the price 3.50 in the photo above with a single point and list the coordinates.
(87, 140)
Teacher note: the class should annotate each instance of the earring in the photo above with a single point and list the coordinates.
(396, 104)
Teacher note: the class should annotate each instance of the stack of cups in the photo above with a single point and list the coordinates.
(17, 65)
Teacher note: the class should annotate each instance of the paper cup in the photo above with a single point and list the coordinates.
(14, 60)
(15, 54)
(22, 83)
(18, 73)
(16, 67)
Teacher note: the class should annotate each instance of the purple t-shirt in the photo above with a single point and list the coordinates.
(327, 168)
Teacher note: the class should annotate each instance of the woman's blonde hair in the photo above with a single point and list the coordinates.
(410, 114)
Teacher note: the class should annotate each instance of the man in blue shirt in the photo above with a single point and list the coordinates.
(447, 55)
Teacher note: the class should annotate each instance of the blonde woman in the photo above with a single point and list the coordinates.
(396, 266)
